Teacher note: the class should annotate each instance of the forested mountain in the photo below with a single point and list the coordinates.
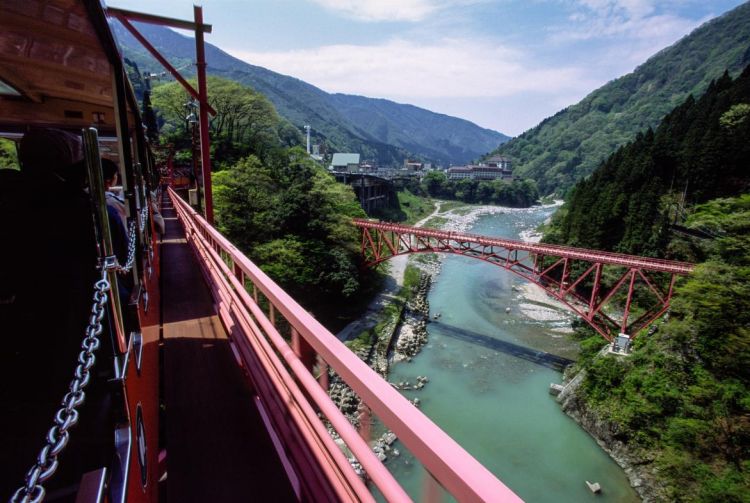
(430, 135)
(681, 401)
(700, 151)
(378, 129)
(568, 146)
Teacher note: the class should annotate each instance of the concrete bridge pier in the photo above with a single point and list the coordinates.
(373, 192)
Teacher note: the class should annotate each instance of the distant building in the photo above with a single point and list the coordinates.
(412, 165)
(459, 172)
(316, 153)
(499, 161)
(496, 167)
(345, 162)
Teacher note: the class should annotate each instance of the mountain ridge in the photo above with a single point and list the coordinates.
(370, 126)
(569, 145)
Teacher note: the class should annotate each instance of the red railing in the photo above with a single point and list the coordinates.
(292, 400)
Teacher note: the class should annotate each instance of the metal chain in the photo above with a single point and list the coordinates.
(67, 416)
(131, 250)
(144, 215)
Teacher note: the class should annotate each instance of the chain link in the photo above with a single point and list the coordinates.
(144, 215)
(67, 416)
(131, 250)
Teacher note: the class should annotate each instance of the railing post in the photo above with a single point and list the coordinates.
(323, 373)
(365, 422)
(303, 350)
(433, 492)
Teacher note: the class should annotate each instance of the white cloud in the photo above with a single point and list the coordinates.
(390, 10)
(381, 10)
(402, 69)
(648, 20)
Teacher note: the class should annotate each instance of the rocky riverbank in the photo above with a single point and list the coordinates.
(399, 335)
(411, 334)
(637, 465)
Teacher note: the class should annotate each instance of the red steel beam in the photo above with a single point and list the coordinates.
(161, 59)
(500, 252)
(158, 20)
(569, 252)
(200, 54)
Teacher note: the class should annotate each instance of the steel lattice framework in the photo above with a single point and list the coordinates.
(586, 281)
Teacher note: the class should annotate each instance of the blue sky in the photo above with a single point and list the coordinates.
(503, 64)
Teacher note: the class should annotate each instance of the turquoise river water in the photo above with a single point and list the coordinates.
(497, 405)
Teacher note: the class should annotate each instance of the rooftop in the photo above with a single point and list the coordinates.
(345, 159)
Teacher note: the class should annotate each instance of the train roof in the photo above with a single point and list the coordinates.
(57, 61)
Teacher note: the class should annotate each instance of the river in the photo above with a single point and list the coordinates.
(495, 401)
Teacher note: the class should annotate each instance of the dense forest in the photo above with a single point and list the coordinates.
(681, 401)
(568, 146)
(282, 209)
(699, 152)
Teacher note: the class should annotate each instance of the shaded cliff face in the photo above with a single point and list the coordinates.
(376, 128)
(637, 464)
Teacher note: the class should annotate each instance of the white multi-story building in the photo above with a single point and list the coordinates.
(493, 168)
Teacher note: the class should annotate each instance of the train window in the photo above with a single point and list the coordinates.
(8, 90)
(8, 154)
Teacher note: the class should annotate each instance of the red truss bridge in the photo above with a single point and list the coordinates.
(593, 284)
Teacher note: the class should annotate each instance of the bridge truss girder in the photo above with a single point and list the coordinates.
(592, 284)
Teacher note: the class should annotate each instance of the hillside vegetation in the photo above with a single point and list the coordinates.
(378, 129)
(700, 152)
(681, 401)
(568, 146)
(282, 209)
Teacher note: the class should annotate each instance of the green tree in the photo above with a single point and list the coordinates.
(245, 121)
(8, 154)
(149, 118)
(434, 183)
(294, 220)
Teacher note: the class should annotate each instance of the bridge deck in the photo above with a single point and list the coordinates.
(218, 448)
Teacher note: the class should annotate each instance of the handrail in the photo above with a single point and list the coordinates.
(613, 258)
(455, 469)
(231, 301)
